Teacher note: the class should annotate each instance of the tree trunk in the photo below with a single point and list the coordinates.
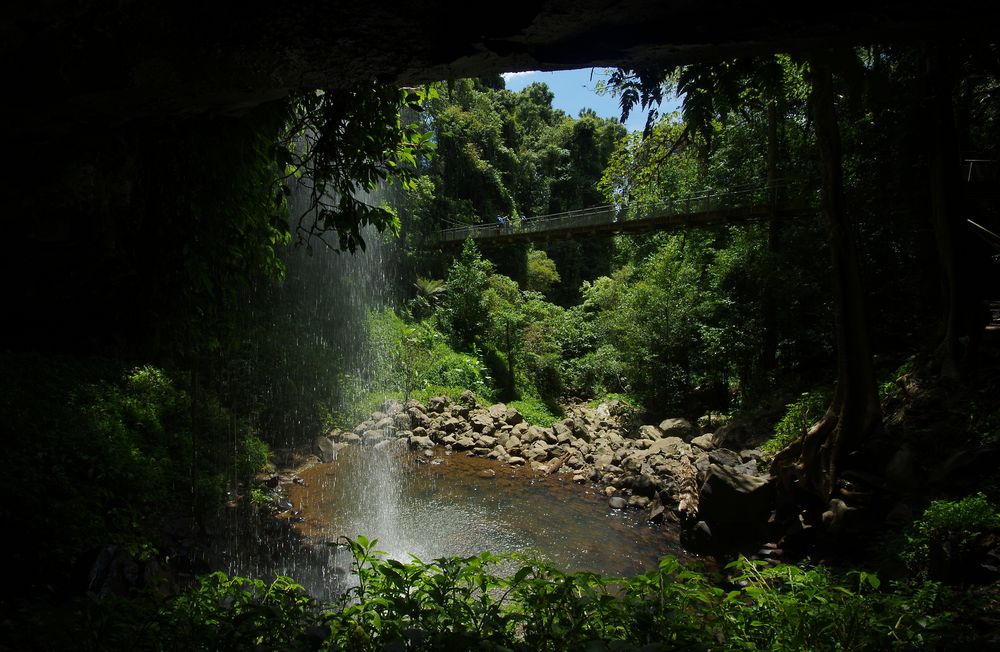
(944, 187)
(769, 337)
(813, 464)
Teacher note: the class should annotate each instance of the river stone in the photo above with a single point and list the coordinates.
(514, 460)
(730, 499)
(428, 453)
(480, 451)
(460, 411)
(734, 434)
(724, 457)
(378, 415)
(498, 411)
(421, 442)
(468, 397)
(438, 403)
(746, 468)
(603, 461)
(616, 502)
(350, 438)
(453, 425)
(464, 443)
(562, 429)
(640, 502)
(519, 429)
(374, 436)
(326, 448)
(677, 428)
(610, 490)
(488, 473)
(649, 432)
(513, 443)
(749, 454)
(413, 404)
(392, 407)
(670, 447)
(487, 441)
(402, 421)
(704, 442)
(579, 478)
(481, 422)
(512, 417)
(385, 423)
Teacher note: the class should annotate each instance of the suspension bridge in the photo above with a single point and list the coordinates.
(743, 204)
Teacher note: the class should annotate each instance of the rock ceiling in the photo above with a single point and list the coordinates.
(73, 61)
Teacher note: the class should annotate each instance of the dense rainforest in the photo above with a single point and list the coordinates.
(193, 320)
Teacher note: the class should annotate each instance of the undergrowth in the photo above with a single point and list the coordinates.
(457, 603)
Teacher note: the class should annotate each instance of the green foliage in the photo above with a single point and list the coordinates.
(800, 415)
(536, 411)
(889, 385)
(513, 602)
(348, 141)
(542, 272)
(121, 448)
(464, 307)
(413, 360)
(946, 534)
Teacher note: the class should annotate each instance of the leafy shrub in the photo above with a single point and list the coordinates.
(888, 385)
(939, 543)
(516, 603)
(536, 411)
(800, 416)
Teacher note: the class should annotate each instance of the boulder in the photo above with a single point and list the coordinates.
(512, 417)
(747, 468)
(374, 436)
(730, 500)
(649, 432)
(481, 421)
(724, 457)
(704, 442)
(734, 434)
(468, 398)
(418, 418)
(402, 421)
(392, 407)
(464, 443)
(498, 411)
(563, 429)
(437, 404)
(327, 449)
(638, 502)
(616, 502)
(670, 447)
(512, 443)
(421, 442)
(677, 428)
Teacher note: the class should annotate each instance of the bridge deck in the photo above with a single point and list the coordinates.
(697, 210)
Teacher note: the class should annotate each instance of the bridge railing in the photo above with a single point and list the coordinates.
(703, 202)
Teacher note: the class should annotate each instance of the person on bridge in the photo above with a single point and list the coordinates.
(501, 222)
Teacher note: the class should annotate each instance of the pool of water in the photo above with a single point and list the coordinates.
(460, 505)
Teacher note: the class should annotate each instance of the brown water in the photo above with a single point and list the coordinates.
(431, 510)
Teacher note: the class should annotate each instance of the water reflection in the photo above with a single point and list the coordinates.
(447, 507)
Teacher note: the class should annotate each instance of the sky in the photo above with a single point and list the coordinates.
(574, 90)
